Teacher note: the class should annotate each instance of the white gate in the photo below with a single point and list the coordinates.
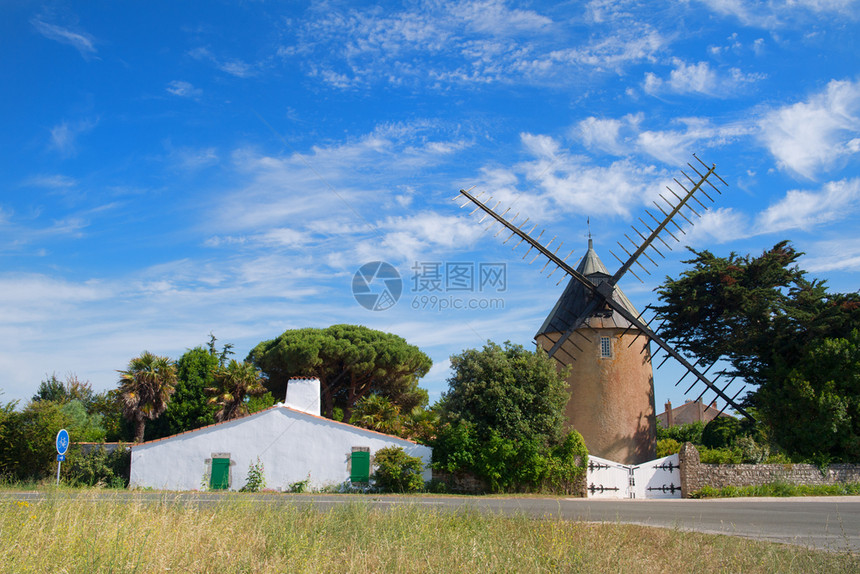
(607, 479)
(658, 478)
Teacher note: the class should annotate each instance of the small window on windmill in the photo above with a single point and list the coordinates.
(605, 348)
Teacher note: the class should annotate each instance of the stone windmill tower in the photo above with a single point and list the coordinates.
(594, 328)
(611, 381)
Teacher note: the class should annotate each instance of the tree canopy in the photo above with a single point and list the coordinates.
(27, 449)
(517, 393)
(772, 325)
(814, 406)
(350, 361)
(502, 420)
(189, 406)
(53, 389)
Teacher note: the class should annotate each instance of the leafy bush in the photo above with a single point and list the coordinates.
(667, 446)
(507, 465)
(256, 480)
(396, 471)
(437, 486)
(751, 451)
(566, 465)
(28, 451)
(98, 467)
(454, 447)
(778, 458)
(259, 403)
(721, 432)
(706, 492)
(720, 455)
(691, 432)
(299, 486)
(779, 488)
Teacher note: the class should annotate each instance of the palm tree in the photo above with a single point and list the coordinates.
(145, 389)
(420, 424)
(235, 382)
(378, 413)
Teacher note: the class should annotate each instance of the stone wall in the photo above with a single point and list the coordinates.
(695, 475)
(467, 483)
(460, 482)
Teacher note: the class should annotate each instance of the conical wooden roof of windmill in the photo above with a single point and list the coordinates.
(573, 302)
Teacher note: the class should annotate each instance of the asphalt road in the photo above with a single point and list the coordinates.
(825, 523)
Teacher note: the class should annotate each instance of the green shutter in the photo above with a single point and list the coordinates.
(360, 467)
(220, 477)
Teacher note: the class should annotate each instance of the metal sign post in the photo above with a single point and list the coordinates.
(62, 447)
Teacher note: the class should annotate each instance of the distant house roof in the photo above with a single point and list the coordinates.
(689, 412)
(572, 303)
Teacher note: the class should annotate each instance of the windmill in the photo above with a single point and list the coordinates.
(612, 402)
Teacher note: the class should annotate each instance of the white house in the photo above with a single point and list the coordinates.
(292, 441)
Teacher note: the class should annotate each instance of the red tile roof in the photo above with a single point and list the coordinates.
(278, 406)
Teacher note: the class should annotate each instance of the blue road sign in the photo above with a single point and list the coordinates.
(62, 441)
(61, 457)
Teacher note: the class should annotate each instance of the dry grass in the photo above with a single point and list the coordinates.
(85, 535)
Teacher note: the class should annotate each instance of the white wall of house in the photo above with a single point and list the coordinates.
(291, 445)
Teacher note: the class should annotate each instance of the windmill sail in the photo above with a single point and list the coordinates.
(603, 293)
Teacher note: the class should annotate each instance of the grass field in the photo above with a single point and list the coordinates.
(84, 535)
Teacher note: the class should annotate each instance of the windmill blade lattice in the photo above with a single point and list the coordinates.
(678, 205)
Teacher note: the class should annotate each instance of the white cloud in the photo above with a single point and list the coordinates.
(801, 209)
(478, 42)
(699, 78)
(237, 68)
(93, 327)
(670, 147)
(233, 66)
(56, 181)
(815, 135)
(778, 13)
(336, 187)
(193, 159)
(616, 50)
(721, 225)
(834, 255)
(29, 298)
(411, 236)
(285, 237)
(183, 89)
(628, 135)
(64, 136)
(494, 17)
(601, 11)
(84, 43)
(552, 183)
(602, 134)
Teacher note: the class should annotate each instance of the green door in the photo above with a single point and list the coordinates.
(360, 467)
(220, 476)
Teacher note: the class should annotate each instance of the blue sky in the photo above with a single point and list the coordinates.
(171, 169)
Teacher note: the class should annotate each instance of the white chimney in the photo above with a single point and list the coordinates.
(303, 394)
